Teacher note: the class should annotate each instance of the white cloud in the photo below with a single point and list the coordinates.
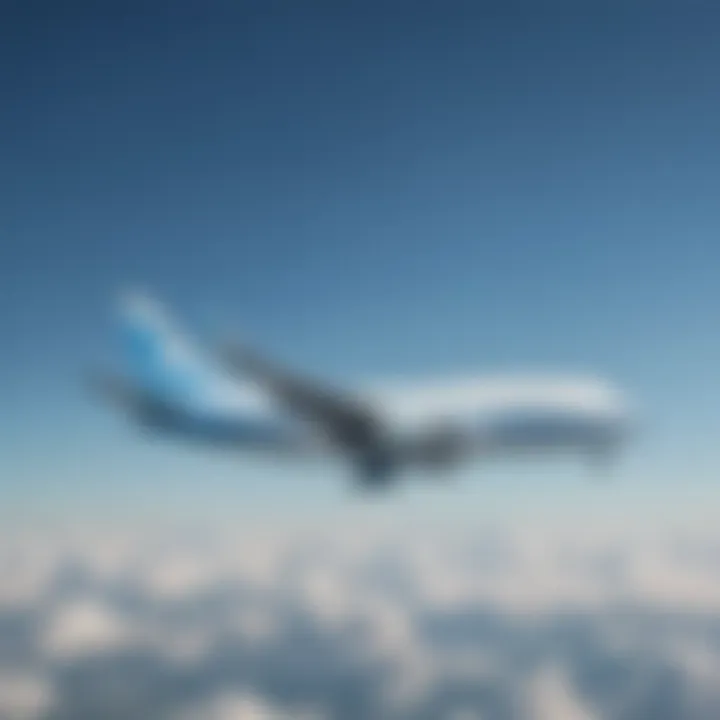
(26, 570)
(256, 624)
(176, 576)
(86, 628)
(325, 595)
(24, 696)
(182, 646)
(237, 705)
(406, 622)
(551, 697)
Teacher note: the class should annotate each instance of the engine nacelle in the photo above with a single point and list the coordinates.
(441, 446)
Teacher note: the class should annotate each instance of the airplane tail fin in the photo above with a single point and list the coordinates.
(158, 357)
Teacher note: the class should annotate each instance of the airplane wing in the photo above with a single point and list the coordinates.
(345, 419)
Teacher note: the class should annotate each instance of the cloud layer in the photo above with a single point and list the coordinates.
(537, 624)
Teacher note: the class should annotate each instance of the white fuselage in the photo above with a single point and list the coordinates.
(490, 414)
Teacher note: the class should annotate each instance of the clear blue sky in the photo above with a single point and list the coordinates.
(366, 189)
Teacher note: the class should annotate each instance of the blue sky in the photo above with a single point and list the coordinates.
(364, 189)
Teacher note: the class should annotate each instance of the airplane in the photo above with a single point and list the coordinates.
(237, 398)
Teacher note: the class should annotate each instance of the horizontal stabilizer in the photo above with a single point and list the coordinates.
(134, 400)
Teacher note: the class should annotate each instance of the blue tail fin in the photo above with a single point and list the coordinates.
(158, 357)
